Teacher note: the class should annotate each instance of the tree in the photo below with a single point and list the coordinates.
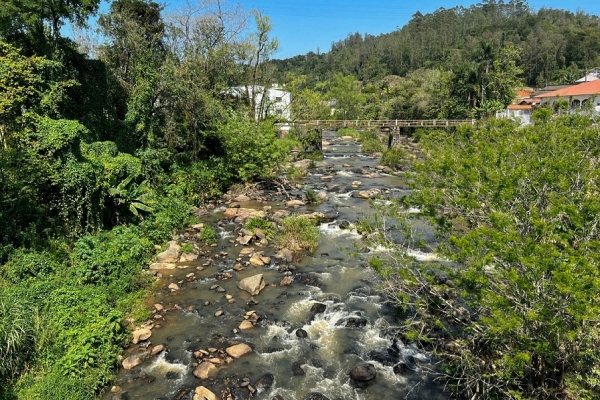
(25, 21)
(255, 52)
(517, 316)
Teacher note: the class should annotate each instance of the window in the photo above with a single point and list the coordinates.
(278, 99)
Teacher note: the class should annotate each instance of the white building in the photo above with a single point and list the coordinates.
(272, 101)
(583, 96)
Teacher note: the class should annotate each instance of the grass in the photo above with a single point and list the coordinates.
(208, 234)
(257, 223)
(311, 197)
(348, 132)
(295, 173)
(298, 233)
(187, 248)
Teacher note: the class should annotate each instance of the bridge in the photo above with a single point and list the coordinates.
(393, 127)
(379, 124)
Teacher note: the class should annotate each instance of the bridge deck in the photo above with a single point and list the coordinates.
(374, 123)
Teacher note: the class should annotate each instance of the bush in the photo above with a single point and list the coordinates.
(208, 234)
(114, 256)
(348, 132)
(25, 265)
(298, 233)
(311, 197)
(265, 226)
(295, 173)
(371, 146)
(392, 157)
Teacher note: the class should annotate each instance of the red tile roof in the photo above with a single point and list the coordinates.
(520, 107)
(586, 88)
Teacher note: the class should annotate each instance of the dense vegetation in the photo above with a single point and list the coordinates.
(517, 209)
(452, 63)
(101, 160)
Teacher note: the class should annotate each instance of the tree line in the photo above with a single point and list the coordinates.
(456, 62)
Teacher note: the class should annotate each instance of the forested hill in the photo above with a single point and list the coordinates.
(555, 46)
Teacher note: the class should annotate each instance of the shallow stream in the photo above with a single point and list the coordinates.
(354, 328)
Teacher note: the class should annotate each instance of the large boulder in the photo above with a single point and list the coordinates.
(363, 374)
(131, 362)
(188, 257)
(256, 260)
(202, 393)
(140, 335)
(239, 350)
(252, 285)
(265, 382)
(240, 215)
(157, 266)
(171, 255)
(318, 308)
(369, 194)
(294, 203)
(204, 369)
(285, 255)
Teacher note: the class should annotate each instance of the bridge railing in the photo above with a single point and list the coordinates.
(380, 123)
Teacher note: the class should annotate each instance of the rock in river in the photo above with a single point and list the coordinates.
(204, 369)
(252, 285)
(141, 335)
(239, 350)
(202, 393)
(171, 255)
(363, 374)
(131, 362)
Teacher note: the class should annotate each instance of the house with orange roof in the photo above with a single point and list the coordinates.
(578, 96)
(521, 108)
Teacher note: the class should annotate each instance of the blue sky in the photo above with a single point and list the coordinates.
(311, 25)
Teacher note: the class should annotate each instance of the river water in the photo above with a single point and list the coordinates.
(356, 327)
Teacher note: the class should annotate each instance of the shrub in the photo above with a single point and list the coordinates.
(265, 226)
(295, 173)
(311, 196)
(392, 157)
(298, 233)
(208, 234)
(26, 265)
(371, 146)
(348, 132)
(114, 256)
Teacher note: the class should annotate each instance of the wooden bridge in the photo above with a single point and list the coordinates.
(393, 128)
(379, 124)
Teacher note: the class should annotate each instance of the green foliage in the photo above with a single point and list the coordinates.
(23, 265)
(295, 173)
(371, 146)
(311, 197)
(18, 335)
(187, 248)
(119, 253)
(298, 233)
(520, 217)
(254, 223)
(208, 234)
(348, 132)
(393, 157)
(252, 151)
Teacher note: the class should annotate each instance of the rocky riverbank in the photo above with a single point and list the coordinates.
(239, 316)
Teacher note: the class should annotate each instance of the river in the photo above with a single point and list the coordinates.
(355, 327)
